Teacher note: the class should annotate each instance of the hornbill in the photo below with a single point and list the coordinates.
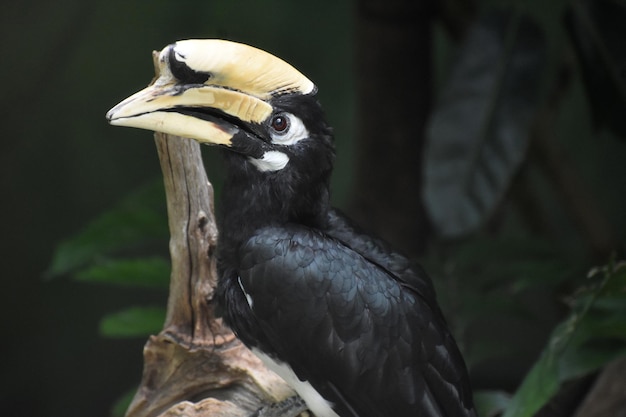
(350, 323)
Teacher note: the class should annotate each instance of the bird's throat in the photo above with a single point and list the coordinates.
(252, 200)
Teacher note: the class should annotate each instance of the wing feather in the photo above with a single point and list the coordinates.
(348, 322)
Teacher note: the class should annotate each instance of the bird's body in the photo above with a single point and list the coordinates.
(354, 319)
(351, 324)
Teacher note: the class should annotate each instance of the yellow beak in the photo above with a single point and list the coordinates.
(240, 82)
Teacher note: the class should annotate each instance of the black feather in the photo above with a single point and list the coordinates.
(350, 315)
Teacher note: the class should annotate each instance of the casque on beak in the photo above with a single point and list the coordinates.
(208, 90)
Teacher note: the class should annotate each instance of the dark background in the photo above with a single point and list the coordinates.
(64, 65)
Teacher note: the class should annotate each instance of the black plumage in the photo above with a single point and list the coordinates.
(349, 314)
(352, 324)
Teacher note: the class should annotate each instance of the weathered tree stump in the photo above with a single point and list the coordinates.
(196, 366)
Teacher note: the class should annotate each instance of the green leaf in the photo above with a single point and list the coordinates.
(538, 387)
(589, 357)
(479, 131)
(137, 219)
(601, 334)
(491, 403)
(558, 361)
(601, 326)
(133, 322)
(617, 284)
(611, 304)
(597, 30)
(122, 403)
(147, 272)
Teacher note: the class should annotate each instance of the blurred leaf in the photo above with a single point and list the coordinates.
(601, 335)
(588, 358)
(597, 30)
(139, 218)
(121, 404)
(491, 403)
(133, 322)
(148, 272)
(538, 387)
(612, 300)
(479, 130)
(617, 285)
(576, 346)
(613, 303)
(603, 327)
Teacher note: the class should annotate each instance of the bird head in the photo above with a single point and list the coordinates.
(238, 97)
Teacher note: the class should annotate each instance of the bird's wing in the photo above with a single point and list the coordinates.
(358, 336)
(381, 253)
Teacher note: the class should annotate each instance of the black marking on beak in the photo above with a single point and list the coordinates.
(182, 72)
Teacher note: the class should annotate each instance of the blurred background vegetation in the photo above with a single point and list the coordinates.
(523, 182)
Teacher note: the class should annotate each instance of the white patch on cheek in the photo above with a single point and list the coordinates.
(271, 161)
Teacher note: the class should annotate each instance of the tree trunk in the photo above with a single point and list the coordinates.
(394, 93)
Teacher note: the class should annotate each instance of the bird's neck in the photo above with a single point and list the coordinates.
(251, 200)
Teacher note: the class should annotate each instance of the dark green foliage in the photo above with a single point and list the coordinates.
(593, 334)
(133, 322)
(136, 221)
(122, 403)
(515, 293)
(491, 403)
(511, 267)
(62, 164)
(105, 253)
(143, 272)
(493, 286)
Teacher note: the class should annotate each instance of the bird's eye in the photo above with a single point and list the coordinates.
(286, 129)
(280, 123)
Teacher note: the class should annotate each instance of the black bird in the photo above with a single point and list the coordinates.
(350, 323)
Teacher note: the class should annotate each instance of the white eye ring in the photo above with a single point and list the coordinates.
(289, 129)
